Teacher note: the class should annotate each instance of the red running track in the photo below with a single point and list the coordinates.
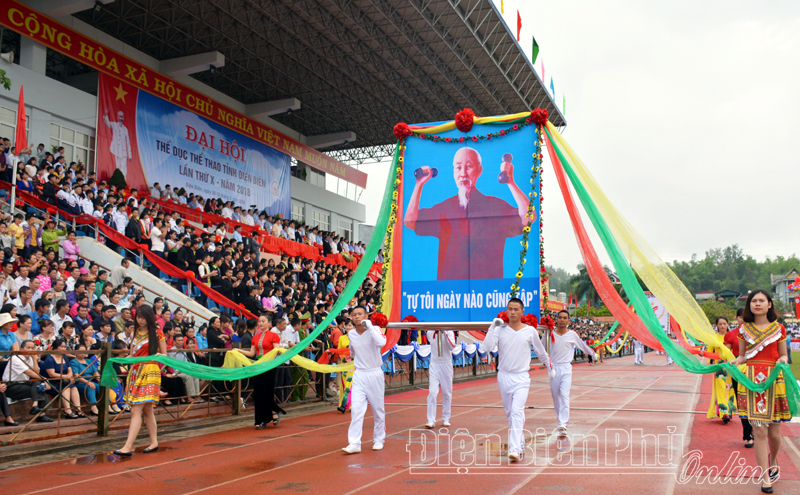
(605, 452)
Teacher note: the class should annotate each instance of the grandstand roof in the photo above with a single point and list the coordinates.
(355, 65)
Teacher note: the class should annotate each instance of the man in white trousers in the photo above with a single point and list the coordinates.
(562, 349)
(440, 374)
(514, 341)
(638, 352)
(366, 341)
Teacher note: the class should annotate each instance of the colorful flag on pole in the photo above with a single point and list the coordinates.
(519, 24)
(21, 138)
(564, 104)
(552, 88)
(502, 10)
(534, 51)
(542, 71)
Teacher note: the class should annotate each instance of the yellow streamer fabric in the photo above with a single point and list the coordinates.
(235, 359)
(449, 126)
(658, 277)
(621, 345)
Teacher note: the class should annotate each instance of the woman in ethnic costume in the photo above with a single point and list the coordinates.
(762, 345)
(144, 380)
(723, 398)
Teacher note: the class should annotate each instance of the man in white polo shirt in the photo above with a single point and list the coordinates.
(366, 341)
(514, 341)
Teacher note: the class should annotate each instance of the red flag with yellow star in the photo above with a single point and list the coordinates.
(116, 145)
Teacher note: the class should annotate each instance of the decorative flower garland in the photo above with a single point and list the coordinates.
(379, 319)
(464, 121)
(387, 260)
(528, 319)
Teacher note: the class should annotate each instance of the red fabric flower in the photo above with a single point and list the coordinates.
(539, 116)
(503, 316)
(402, 131)
(448, 140)
(410, 318)
(461, 139)
(52, 211)
(544, 270)
(528, 120)
(502, 132)
(530, 320)
(464, 120)
(488, 137)
(516, 127)
(189, 275)
(379, 320)
(548, 322)
(475, 138)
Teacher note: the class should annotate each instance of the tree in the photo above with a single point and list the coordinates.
(582, 285)
(117, 179)
(714, 309)
(6, 82)
(559, 279)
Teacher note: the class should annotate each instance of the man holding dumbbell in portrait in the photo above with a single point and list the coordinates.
(472, 228)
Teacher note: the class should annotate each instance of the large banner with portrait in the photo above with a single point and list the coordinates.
(463, 218)
(152, 140)
(661, 312)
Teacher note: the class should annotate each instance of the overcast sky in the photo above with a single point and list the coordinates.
(687, 113)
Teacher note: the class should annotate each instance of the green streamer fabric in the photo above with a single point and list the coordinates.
(109, 376)
(605, 337)
(682, 357)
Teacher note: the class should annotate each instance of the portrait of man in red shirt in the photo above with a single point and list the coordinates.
(471, 227)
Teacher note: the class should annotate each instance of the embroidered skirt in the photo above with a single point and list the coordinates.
(144, 384)
(769, 406)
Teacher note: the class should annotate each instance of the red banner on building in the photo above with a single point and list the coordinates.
(42, 29)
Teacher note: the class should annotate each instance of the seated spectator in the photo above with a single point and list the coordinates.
(86, 370)
(68, 334)
(24, 325)
(22, 378)
(44, 341)
(71, 248)
(61, 315)
(56, 369)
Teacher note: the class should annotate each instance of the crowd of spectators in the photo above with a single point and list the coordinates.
(53, 298)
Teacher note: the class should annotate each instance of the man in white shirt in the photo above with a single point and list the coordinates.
(366, 341)
(562, 349)
(23, 301)
(22, 280)
(22, 376)
(155, 191)
(440, 375)
(74, 276)
(121, 218)
(638, 352)
(514, 341)
(227, 212)
(62, 308)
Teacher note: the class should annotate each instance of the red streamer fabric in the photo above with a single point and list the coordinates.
(594, 267)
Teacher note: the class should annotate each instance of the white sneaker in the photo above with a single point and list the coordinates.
(378, 446)
(430, 425)
(446, 423)
(513, 456)
(562, 431)
(352, 449)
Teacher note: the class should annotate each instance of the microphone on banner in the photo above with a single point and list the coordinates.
(419, 173)
(503, 177)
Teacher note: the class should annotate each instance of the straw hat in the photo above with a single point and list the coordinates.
(5, 318)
